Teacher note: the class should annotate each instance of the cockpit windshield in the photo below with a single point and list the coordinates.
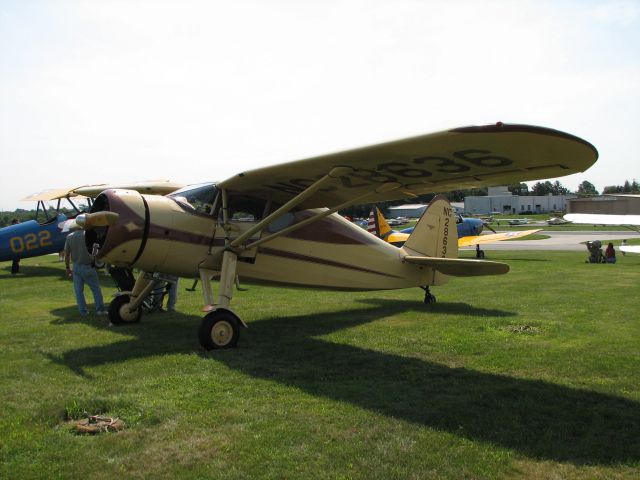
(198, 198)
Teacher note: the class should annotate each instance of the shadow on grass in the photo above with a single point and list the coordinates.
(33, 271)
(535, 418)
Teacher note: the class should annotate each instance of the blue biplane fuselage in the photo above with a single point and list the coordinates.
(32, 239)
(467, 227)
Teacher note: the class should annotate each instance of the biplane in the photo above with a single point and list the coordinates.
(42, 236)
(291, 234)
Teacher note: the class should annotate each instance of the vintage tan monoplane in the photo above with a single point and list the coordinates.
(279, 224)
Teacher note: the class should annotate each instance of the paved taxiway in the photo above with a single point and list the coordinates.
(572, 240)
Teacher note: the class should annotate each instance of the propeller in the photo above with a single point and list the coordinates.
(87, 221)
(486, 224)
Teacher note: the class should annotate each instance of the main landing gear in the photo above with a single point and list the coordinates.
(219, 329)
(127, 308)
(119, 312)
(429, 298)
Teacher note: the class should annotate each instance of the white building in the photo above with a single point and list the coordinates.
(415, 210)
(500, 200)
(411, 210)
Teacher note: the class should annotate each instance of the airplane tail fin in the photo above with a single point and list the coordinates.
(435, 234)
(378, 224)
(434, 243)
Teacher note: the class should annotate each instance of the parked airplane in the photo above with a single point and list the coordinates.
(291, 240)
(557, 221)
(518, 221)
(33, 238)
(469, 231)
(629, 221)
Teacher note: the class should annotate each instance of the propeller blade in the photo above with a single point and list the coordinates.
(87, 221)
(489, 227)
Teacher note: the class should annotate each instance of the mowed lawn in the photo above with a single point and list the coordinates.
(533, 374)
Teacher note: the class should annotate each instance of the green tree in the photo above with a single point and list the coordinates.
(540, 188)
(587, 188)
(520, 189)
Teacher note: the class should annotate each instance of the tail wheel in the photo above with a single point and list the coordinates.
(219, 330)
(119, 311)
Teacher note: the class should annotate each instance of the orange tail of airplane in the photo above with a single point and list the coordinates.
(378, 224)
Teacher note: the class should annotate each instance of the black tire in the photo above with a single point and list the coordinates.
(117, 313)
(429, 299)
(219, 330)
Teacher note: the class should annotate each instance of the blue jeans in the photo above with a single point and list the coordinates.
(173, 296)
(86, 274)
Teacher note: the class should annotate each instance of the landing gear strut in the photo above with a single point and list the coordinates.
(429, 298)
(220, 329)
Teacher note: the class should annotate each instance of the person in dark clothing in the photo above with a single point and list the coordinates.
(610, 254)
(15, 264)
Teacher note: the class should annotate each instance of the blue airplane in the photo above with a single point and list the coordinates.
(32, 239)
(467, 227)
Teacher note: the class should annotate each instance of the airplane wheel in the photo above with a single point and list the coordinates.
(119, 312)
(429, 299)
(219, 330)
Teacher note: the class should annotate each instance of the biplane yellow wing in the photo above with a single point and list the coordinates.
(49, 195)
(153, 187)
(450, 160)
(494, 237)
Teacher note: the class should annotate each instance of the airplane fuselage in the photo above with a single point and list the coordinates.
(32, 239)
(158, 234)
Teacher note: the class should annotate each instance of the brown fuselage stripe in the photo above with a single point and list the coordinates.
(321, 261)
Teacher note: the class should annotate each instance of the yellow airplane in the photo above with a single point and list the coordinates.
(279, 224)
(468, 229)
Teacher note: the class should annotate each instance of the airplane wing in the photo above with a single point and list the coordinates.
(603, 219)
(50, 194)
(453, 159)
(494, 237)
(153, 187)
(630, 248)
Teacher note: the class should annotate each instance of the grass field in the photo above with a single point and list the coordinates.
(534, 374)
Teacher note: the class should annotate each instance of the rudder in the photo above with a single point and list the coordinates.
(435, 234)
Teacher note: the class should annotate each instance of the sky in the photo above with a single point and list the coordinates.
(193, 91)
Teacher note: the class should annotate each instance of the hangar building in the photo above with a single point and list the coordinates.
(501, 200)
(613, 204)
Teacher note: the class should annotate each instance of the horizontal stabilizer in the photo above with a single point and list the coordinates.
(460, 267)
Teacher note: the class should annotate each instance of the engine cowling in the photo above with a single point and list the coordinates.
(154, 233)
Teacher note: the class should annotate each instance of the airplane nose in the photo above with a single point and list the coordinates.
(118, 225)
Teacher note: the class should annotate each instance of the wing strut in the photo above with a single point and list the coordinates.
(336, 172)
(386, 187)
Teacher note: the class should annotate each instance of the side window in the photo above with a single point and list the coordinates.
(243, 208)
(200, 198)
